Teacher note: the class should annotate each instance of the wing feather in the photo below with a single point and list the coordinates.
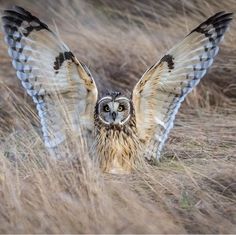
(62, 87)
(161, 90)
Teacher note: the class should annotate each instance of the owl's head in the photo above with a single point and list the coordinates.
(114, 109)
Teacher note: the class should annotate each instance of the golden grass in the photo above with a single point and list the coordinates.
(192, 190)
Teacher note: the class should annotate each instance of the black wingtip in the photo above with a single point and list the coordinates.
(15, 15)
(16, 8)
(22, 11)
(220, 20)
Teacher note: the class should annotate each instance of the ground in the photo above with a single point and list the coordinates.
(191, 190)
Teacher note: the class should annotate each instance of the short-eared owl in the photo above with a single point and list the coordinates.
(66, 96)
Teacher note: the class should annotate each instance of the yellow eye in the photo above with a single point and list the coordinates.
(121, 108)
(106, 108)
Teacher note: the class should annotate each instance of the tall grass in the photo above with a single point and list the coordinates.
(191, 190)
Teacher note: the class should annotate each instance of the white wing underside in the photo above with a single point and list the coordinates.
(61, 87)
(161, 90)
(65, 93)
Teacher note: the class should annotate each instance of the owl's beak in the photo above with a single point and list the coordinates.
(113, 116)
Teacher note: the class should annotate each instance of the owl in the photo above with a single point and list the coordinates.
(124, 129)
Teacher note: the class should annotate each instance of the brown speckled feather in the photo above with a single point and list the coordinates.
(118, 148)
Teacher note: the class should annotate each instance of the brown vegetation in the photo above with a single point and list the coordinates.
(191, 190)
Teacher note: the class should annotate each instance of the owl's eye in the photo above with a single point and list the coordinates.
(121, 108)
(106, 108)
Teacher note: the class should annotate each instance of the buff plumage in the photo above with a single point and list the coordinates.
(125, 129)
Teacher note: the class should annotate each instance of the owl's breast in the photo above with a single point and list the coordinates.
(118, 149)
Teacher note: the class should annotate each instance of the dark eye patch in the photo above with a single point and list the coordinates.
(106, 108)
(121, 108)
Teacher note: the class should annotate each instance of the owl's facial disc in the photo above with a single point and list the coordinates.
(114, 111)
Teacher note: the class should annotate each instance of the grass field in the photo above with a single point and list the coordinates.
(191, 190)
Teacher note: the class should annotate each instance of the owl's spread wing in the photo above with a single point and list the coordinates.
(60, 85)
(161, 90)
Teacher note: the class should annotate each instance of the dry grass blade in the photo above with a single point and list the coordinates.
(192, 190)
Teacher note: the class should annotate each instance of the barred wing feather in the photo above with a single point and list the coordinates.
(61, 86)
(161, 90)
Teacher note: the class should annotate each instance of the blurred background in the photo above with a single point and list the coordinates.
(119, 41)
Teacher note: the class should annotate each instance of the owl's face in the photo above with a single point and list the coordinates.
(114, 110)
